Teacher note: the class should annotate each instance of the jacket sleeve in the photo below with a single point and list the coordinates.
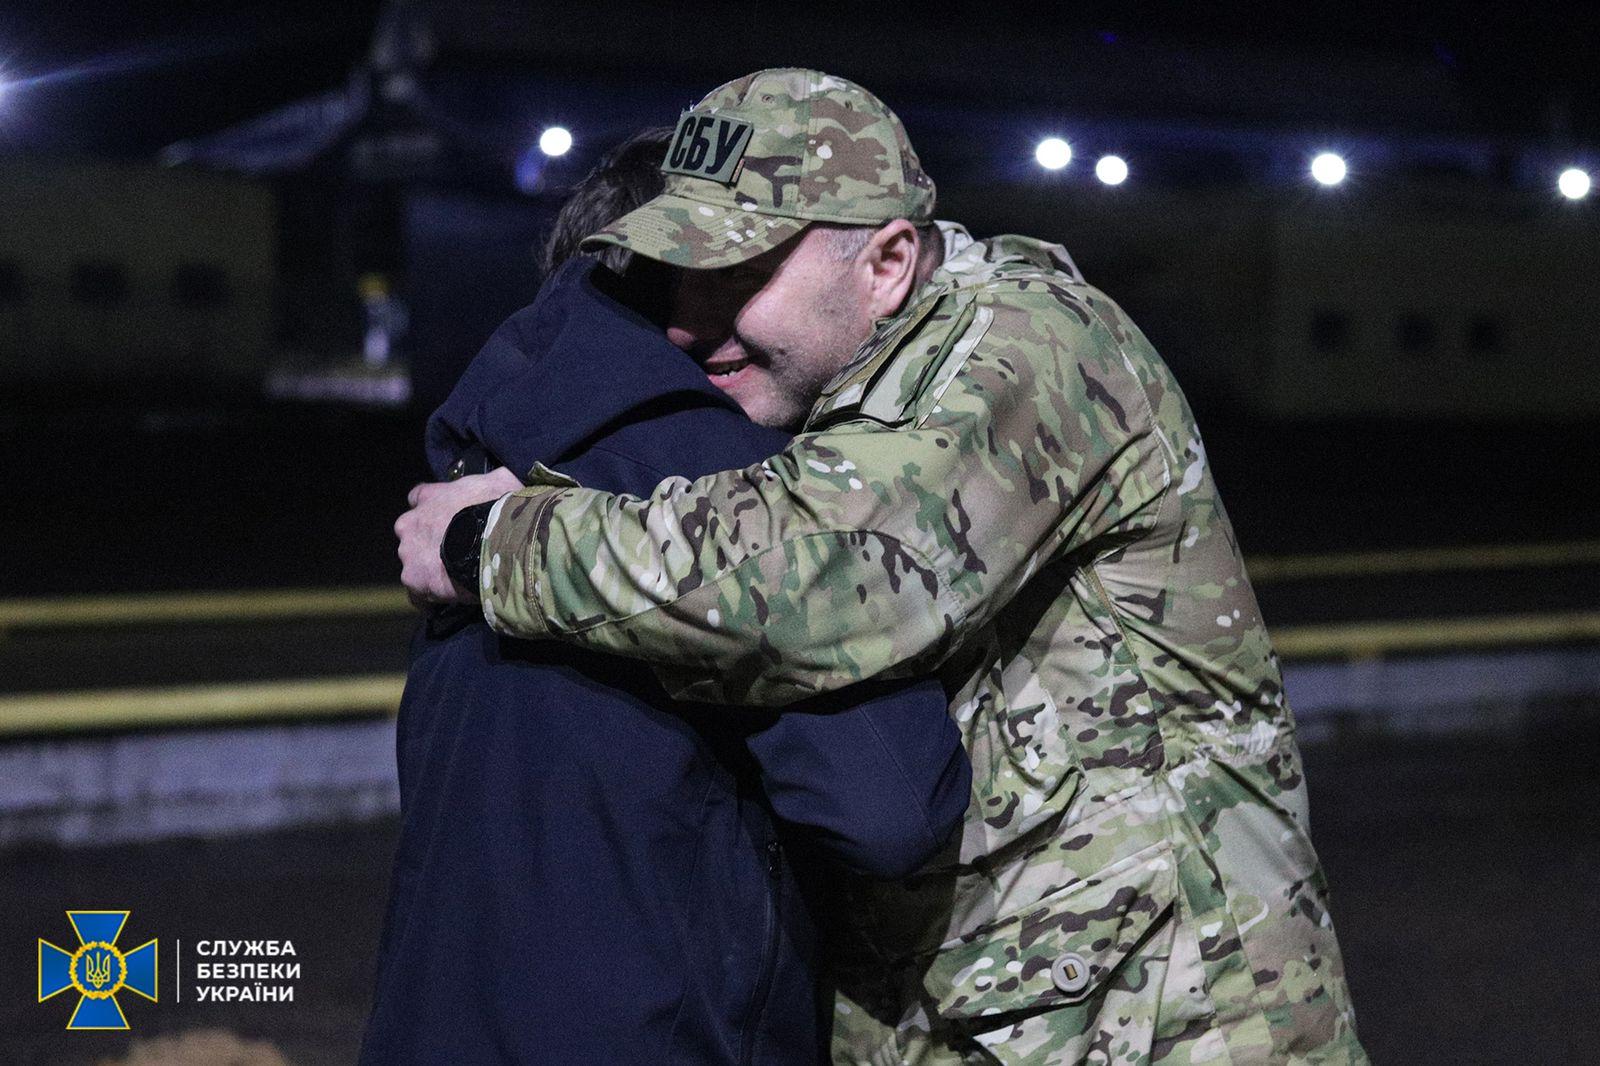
(879, 785)
(865, 548)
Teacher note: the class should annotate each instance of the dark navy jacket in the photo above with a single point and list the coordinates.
(588, 872)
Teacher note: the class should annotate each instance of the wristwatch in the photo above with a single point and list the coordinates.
(461, 550)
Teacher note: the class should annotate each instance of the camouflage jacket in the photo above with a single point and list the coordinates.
(1005, 487)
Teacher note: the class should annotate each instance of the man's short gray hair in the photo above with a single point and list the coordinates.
(845, 242)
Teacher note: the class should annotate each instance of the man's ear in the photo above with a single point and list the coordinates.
(890, 262)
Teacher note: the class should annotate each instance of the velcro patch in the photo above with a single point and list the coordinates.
(707, 146)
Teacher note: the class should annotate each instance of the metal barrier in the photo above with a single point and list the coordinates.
(1271, 569)
(185, 705)
(75, 612)
(1370, 640)
(141, 708)
(64, 712)
(386, 600)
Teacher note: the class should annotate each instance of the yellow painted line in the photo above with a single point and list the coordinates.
(169, 608)
(1359, 640)
(1266, 569)
(64, 712)
(134, 708)
(390, 600)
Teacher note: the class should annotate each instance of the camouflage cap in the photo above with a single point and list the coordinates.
(760, 158)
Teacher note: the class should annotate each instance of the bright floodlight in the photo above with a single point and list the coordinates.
(1328, 168)
(1053, 153)
(555, 141)
(1111, 169)
(1573, 183)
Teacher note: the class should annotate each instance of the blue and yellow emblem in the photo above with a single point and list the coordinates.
(97, 970)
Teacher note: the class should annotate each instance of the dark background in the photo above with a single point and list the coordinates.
(132, 78)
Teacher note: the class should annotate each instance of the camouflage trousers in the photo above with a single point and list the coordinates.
(1162, 1023)
(1179, 991)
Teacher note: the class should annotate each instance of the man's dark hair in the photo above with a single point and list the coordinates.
(625, 178)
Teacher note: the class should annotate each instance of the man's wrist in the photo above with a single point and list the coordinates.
(461, 550)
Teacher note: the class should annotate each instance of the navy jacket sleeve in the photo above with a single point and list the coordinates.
(878, 783)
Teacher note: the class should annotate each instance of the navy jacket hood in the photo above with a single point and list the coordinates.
(528, 397)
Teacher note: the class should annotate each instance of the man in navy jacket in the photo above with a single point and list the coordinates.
(588, 872)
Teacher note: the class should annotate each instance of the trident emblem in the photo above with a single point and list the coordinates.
(98, 970)
(97, 967)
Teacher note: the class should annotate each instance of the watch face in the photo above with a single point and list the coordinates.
(462, 545)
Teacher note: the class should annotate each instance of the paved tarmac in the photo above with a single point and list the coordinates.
(1466, 879)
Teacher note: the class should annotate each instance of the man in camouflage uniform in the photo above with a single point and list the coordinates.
(1005, 486)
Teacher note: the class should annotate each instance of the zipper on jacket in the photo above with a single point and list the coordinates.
(758, 999)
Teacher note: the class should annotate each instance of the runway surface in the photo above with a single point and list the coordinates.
(1466, 881)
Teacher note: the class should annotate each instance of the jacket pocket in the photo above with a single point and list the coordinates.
(1060, 950)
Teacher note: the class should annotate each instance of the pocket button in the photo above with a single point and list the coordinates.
(1070, 974)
